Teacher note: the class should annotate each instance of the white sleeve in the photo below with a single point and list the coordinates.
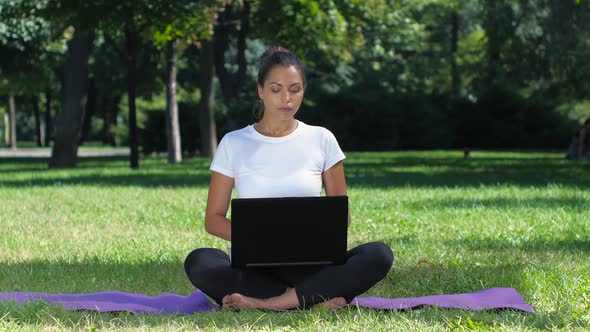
(222, 161)
(332, 151)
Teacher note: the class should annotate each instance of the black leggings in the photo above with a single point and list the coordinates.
(210, 270)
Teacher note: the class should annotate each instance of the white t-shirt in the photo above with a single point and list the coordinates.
(286, 166)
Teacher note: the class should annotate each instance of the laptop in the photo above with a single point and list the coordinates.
(289, 231)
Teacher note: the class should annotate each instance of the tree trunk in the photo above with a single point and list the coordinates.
(220, 44)
(89, 112)
(110, 109)
(38, 125)
(68, 122)
(105, 103)
(12, 120)
(114, 111)
(172, 122)
(6, 129)
(132, 40)
(48, 128)
(207, 115)
(455, 75)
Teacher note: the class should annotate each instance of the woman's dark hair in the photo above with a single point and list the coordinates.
(271, 58)
(587, 121)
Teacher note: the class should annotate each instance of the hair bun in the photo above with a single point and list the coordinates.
(272, 50)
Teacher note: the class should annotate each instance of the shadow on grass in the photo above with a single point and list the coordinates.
(572, 246)
(43, 161)
(375, 170)
(107, 171)
(94, 275)
(573, 202)
(158, 277)
(448, 172)
(27, 164)
(151, 179)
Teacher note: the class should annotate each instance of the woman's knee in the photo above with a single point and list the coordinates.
(198, 259)
(379, 256)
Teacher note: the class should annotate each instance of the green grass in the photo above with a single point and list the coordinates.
(33, 145)
(499, 219)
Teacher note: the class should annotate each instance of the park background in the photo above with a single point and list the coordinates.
(382, 75)
(405, 86)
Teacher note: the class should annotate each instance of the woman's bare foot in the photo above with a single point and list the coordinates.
(239, 301)
(287, 300)
(333, 304)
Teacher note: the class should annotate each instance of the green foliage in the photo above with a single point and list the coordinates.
(190, 21)
(151, 121)
(579, 111)
(364, 119)
(317, 31)
(386, 64)
(153, 134)
(30, 48)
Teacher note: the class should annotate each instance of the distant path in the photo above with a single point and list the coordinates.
(46, 152)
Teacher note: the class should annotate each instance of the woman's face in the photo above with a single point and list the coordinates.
(282, 92)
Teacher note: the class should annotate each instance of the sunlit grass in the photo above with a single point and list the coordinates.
(498, 219)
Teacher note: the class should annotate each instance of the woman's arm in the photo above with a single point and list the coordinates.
(335, 182)
(218, 200)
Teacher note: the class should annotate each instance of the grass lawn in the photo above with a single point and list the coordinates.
(499, 219)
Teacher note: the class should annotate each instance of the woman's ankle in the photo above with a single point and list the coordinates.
(286, 301)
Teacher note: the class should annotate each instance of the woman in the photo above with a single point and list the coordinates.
(280, 156)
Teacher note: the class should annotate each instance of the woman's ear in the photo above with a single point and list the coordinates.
(259, 91)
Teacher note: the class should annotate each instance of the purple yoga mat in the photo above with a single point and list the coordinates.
(492, 298)
(120, 301)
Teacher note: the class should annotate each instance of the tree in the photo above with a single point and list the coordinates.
(6, 123)
(68, 122)
(138, 20)
(108, 71)
(186, 25)
(12, 116)
(27, 55)
(207, 117)
(172, 122)
(567, 47)
(178, 19)
(315, 30)
(233, 24)
(52, 22)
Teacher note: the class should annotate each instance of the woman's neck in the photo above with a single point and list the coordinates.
(276, 128)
